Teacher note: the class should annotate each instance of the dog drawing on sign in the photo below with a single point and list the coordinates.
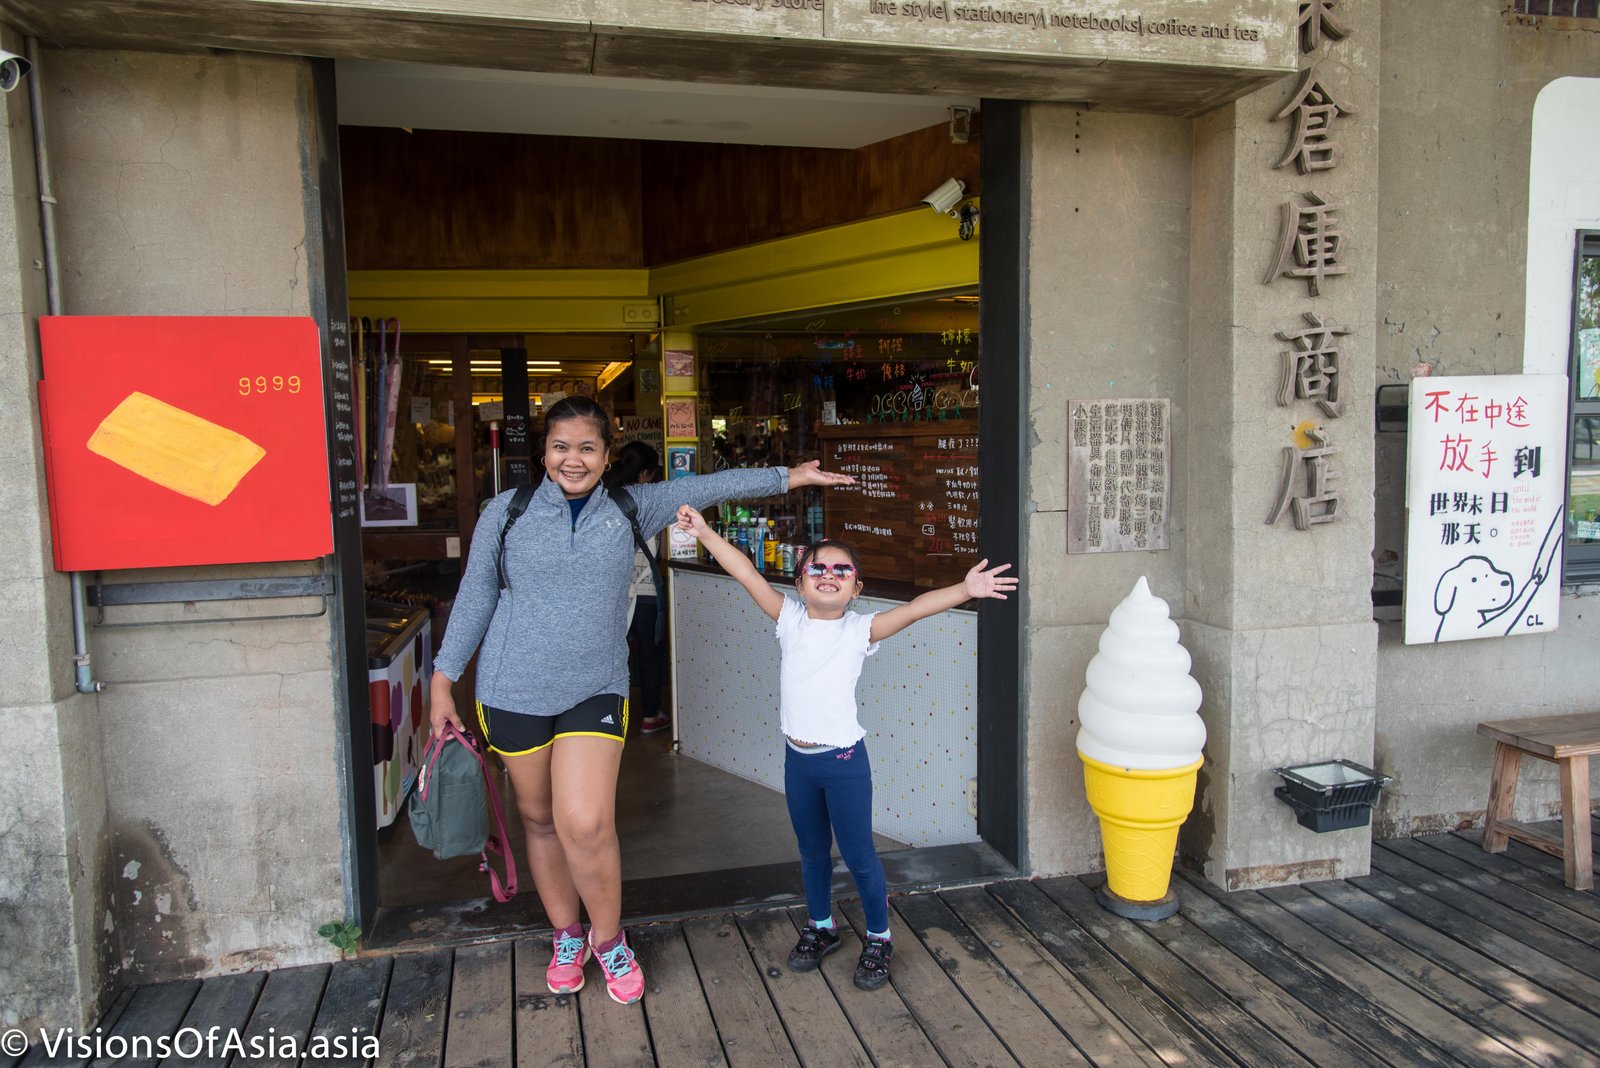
(1470, 595)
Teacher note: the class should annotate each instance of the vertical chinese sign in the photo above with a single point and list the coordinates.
(1485, 498)
(1312, 249)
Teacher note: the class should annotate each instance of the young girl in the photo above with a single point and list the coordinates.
(827, 779)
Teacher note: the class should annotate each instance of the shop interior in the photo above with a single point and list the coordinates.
(568, 192)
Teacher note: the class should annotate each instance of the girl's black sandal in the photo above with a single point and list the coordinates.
(815, 943)
(872, 970)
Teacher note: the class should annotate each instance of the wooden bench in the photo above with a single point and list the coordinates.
(1568, 742)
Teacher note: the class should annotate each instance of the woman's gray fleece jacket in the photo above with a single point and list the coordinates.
(558, 634)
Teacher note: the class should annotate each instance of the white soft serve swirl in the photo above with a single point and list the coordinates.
(1139, 707)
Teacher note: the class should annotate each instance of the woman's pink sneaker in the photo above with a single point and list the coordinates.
(565, 974)
(624, 977)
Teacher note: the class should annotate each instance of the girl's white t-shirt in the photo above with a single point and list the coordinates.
(822, 660)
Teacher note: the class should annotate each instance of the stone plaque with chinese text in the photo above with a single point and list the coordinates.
(1119, 474)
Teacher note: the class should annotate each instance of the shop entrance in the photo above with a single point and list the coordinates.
(785, 296)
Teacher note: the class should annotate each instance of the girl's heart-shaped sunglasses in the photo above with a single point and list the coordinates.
(842, 571)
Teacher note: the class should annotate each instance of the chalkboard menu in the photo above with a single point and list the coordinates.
(913, 513)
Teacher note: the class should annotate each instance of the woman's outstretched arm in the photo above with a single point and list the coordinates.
(659, 501)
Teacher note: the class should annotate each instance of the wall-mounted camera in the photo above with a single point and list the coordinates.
(944, 199)
(13, 68)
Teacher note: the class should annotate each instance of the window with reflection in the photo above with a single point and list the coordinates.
(1583, 461)
(887, 393)
(1570, 9)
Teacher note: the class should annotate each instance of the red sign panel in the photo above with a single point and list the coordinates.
(184, 440)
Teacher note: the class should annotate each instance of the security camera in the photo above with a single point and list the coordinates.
(13, 68)
(944, 199)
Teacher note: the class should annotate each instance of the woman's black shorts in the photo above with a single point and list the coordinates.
(604, 715)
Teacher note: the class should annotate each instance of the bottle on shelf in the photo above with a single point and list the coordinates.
(758, 532)
(769, 545)
(813, 518)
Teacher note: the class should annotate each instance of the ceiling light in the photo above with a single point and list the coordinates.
(494, 363)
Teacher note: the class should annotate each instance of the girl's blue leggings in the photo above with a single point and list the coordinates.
(830, 798)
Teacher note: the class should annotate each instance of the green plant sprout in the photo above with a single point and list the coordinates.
(344, 935)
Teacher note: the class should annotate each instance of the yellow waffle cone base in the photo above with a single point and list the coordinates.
(1140, 813)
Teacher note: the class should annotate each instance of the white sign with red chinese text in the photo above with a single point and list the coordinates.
(1486, 487)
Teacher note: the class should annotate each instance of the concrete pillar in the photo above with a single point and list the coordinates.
(1279, 620)
(183, 191)
(1108, 202)
(53, 842)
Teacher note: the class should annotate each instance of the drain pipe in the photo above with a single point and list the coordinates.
(83, 671)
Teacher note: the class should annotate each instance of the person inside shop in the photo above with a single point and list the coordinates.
(761, 450)
(543, 601)
(638, 464)
(827, 779)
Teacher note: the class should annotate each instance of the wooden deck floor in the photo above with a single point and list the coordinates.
(1444, 955)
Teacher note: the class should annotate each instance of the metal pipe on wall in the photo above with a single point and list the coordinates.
(83, 670)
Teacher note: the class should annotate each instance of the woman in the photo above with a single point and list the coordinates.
(639, 464)
(553, 669)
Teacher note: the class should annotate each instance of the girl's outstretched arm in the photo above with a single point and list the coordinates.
(733, 562)
(978, 583)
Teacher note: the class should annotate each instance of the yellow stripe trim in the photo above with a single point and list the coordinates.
(483, 724)
(523, 752)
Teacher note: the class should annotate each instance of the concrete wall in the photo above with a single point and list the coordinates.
(181, 190)
(1109, 298)
(1454, 297)
(53, 840)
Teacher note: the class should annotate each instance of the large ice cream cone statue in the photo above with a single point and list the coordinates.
(1140, 738)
